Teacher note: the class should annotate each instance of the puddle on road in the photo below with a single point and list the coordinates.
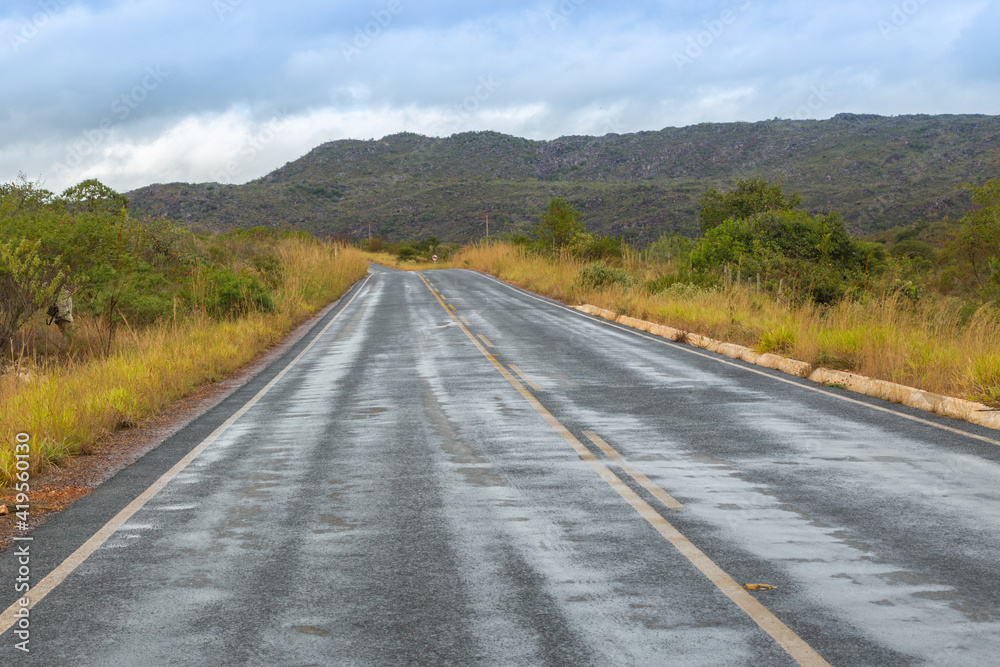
(906, 578)
(481, 477)
(705, 458)
(338, 522)
(451, 439)
(368, 413)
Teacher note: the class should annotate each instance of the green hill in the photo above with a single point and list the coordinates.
(878, 171)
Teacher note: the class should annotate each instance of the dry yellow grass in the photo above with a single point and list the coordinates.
(386, 259)
(922, 345)
(67, 406)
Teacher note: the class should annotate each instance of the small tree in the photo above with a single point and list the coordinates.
(976, 246)
(560, 225)
(27, 284)
(746, 199)
(127, 241)
(22, 195)
(93, 196)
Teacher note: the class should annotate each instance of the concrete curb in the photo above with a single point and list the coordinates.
(946, 406)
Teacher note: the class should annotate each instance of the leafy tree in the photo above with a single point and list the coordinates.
(93, 196)
(560, 225)
(975, 250)
(749, 197)
(816, 252)
(27, 283)
(22, 196)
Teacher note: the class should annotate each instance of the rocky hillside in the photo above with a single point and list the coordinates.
(878, 171)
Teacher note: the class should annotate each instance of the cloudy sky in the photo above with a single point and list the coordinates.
(142, 91)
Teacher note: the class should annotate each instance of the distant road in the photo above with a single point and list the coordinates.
(448, 470)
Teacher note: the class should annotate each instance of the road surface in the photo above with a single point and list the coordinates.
(449, 470)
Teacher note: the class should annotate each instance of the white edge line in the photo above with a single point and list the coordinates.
(764, 618)
(708, 355)
(38, 592)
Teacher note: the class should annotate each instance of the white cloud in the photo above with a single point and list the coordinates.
(605, 67)
(234, 147)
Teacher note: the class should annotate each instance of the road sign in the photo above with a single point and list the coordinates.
(435, 258)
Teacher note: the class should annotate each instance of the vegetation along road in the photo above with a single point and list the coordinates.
(448, 470)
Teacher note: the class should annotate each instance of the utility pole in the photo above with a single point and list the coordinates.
(487, 226)
(369, 233)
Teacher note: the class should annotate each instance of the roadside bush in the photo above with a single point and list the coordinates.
(223, 293)
(660, 283)
(270, 270)
(407, 253)
(597, 275)
(817, 254)
(602, 247)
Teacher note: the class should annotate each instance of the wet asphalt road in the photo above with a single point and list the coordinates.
(394, 498)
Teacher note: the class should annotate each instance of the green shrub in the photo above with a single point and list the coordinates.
(141, 298)
(602, 247)
(407, 253)
(816, 253)
(660, 283)
(270, 270)
(27, 283)
(228, 294)
(597, 275)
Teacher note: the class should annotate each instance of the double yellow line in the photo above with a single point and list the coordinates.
(794, 645)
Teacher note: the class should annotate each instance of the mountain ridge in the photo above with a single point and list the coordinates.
(879, 171)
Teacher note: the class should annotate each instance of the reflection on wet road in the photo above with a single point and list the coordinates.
(457, 472)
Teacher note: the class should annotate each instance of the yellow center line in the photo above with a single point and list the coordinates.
(794, 645)
(527, 380)
(643, 481)
(486, 340)
(465, 321)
